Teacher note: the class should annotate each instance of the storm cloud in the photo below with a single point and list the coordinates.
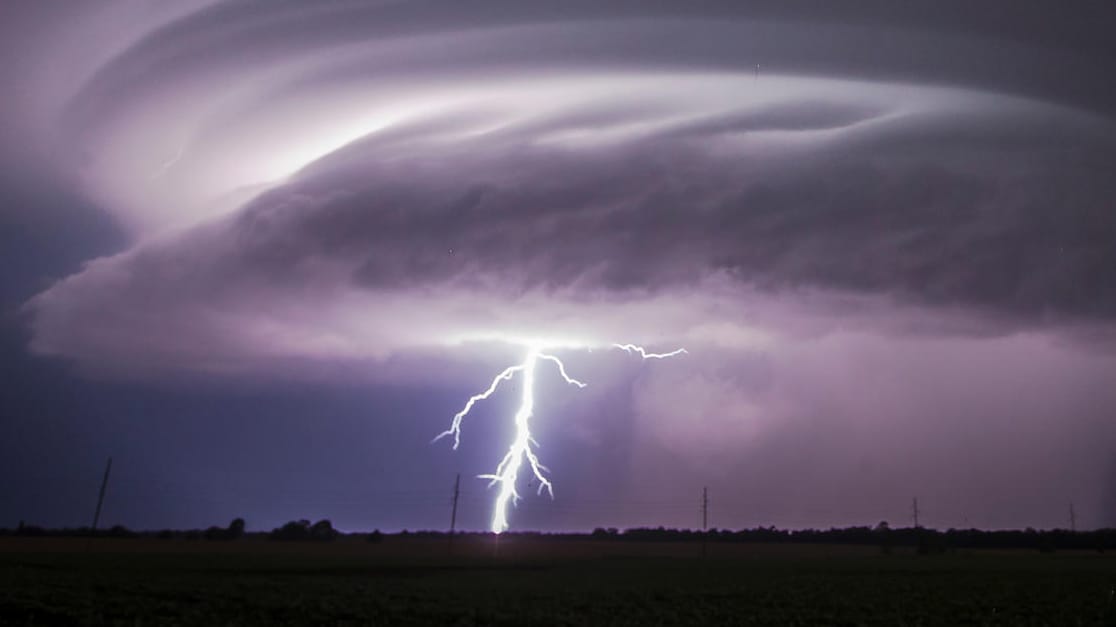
(780, 187)
(908, 197)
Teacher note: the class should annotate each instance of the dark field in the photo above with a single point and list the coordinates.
(538, 581)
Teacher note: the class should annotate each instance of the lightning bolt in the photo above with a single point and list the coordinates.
(455, 426)
(522, 446)
(632, 348)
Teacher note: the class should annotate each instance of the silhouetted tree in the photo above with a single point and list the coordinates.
(236, 528)
(323, 530)
(294, 530)
(120, 531)
(303, 530)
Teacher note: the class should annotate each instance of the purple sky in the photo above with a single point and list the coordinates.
(260, 253)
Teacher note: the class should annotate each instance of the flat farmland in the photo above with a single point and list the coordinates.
(540, 581)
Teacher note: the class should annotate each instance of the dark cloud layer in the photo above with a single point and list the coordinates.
(1004, 215)
(1029, 235)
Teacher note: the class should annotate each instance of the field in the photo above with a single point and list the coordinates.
(539, 581)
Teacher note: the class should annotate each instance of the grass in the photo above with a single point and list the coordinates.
(535, 581)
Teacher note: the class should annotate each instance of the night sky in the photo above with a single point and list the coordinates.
(260, 253)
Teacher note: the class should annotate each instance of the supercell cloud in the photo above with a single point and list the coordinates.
(881, 235)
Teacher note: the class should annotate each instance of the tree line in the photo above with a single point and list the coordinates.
(925, 540)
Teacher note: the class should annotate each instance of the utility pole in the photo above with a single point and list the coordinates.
(453, 512)
(705, 509)
(1073, 517)
(101, 497)
(704, 519)
(914, 511)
